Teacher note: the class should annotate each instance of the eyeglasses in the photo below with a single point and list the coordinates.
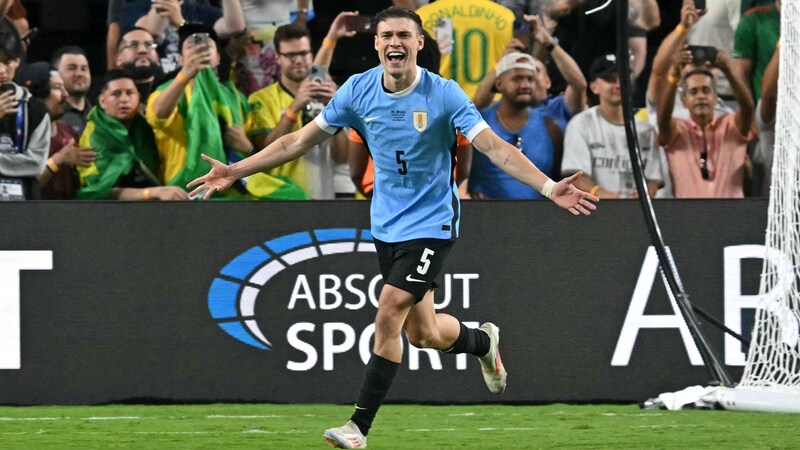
(295, 55)
(704, 159)
(136, 44)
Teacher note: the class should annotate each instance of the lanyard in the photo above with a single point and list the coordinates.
(20, 124)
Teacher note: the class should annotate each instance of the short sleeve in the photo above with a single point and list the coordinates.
(337, 113)
(465, 116)
(576, 149)
(746, 41)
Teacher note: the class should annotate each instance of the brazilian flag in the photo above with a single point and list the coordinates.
(119, 148)
(211, 103)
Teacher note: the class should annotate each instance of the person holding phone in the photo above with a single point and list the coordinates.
(707, 151)
(183, 111)
(24, 130)
(283, 107)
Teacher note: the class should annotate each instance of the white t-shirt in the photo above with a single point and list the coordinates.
(600, 149)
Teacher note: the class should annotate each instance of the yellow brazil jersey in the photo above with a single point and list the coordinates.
(170, 137)
(266, 108)
(479, 31)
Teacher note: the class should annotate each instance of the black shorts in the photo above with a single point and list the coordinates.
(413, 266)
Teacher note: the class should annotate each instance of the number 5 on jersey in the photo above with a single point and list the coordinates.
(403, 169)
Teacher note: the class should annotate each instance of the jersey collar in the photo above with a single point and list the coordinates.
(410, 87)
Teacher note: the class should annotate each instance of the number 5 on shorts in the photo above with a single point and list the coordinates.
(426, 263)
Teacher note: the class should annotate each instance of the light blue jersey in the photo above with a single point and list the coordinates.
(411, 136)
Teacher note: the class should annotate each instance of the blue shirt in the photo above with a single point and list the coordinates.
(411, 136)
(556, 109)
(487, 179)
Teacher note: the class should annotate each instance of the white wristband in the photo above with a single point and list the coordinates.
(547, 189)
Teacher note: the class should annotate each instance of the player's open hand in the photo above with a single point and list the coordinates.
(573, 199)
(219, 178)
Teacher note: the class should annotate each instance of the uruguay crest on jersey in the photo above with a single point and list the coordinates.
(420, 120)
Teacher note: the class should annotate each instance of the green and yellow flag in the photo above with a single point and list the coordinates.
(211, 103)
(118, 149)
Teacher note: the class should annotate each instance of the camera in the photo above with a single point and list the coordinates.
(702, 54)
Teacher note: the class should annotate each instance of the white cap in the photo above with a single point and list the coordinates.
(515, 60)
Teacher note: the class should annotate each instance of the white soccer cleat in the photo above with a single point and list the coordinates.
(494, 374)
(345, 436)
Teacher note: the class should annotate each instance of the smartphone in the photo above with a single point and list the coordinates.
(701, 54)
(700, 4)
(30, 34)
(200, 39)
(6, 88)
(361, 24)
(444, 35)
(318, 73)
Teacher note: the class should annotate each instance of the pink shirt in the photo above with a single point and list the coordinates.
(727, 154)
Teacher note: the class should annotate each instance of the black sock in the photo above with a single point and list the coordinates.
(378, 377)
(471, 340)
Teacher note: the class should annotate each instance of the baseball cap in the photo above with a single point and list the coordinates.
(514, 60)
(35, 77)
(603, 66)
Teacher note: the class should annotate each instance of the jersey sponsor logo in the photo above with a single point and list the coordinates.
(420, 120)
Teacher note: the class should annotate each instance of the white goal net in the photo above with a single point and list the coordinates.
(771, 379)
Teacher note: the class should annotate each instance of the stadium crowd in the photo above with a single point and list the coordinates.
(227, 77)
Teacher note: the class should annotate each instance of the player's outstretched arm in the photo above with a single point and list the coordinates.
(282, 150)
(511, 161)
(576, 201)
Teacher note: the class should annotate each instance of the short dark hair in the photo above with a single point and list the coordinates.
(115, 74)
(8, 47)
(397, 12)
(122, 43)
(287, 33)
(67, 50)
(698, 71)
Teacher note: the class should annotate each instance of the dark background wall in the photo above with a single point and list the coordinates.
(148, 301)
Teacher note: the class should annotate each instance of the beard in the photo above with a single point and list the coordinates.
(141, 72)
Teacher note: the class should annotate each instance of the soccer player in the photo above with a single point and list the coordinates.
(408, 119)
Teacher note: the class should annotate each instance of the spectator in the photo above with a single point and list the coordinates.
(358, 55)
(286, 106)
(587, 37)
(163, 18)
(137, 56)
(256, 63)
(765, 121)
(195, 113)
(596, 143)
(716, 28)
(24, 130)
(756, 36)
(707, 154)
(521, 8)
(471, 35)
(60, 179)
(14, 23)
(73, 65)
(539, 138)
(561, 107)
(127, 160)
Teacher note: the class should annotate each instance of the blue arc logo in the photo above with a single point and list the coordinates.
(233, 293)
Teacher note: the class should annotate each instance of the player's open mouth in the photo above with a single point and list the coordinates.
(395, 56)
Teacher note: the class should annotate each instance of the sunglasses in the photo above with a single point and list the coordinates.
(704, 159)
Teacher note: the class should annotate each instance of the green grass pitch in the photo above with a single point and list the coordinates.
(268, 426)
